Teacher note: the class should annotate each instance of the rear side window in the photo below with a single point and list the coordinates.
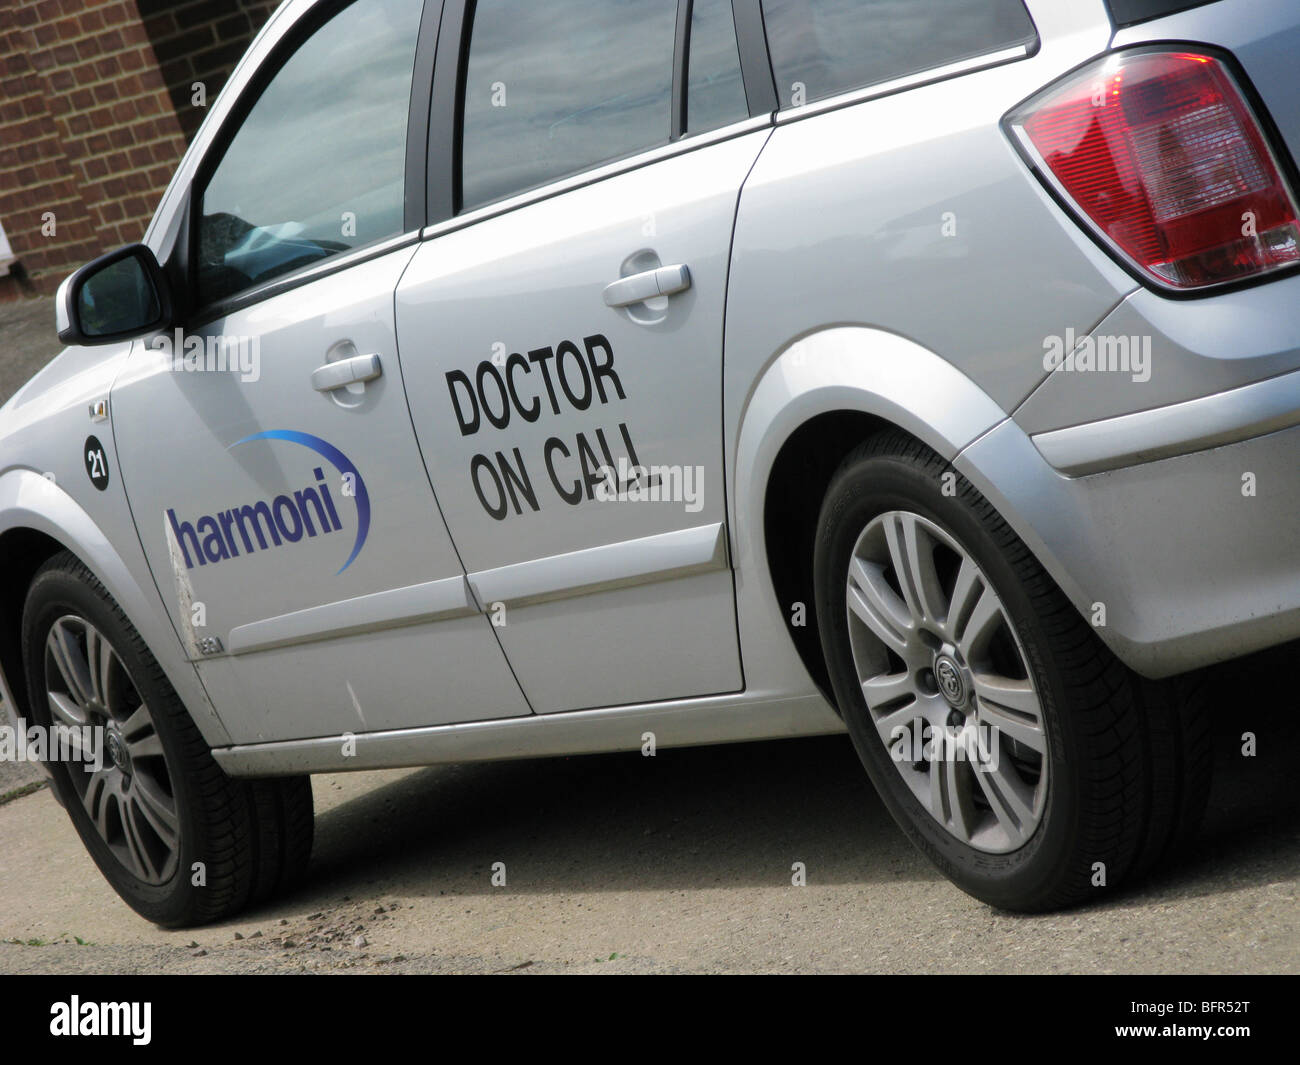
(317, 166)
(1128, 12)
(556, 88)
(715, 92)
(823, 47)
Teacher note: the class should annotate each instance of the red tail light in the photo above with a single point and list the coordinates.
(1161, 152)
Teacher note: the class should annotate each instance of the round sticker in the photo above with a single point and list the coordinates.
(96, 463)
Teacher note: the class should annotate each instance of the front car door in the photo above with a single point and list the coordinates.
(268, 452)
(561, 338)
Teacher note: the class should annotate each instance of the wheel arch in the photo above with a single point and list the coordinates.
(816, 400)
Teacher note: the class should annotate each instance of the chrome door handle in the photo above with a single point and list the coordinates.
(663, 281)
(334, 375)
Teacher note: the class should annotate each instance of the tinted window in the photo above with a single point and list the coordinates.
(823, 47)
(1127, 12)
(317, 166)
(715, 93)
(555, 88)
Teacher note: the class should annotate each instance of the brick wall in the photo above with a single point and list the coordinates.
(95, 112)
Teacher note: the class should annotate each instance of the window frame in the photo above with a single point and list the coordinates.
(451, 68)
(926, 76)
(414, 183)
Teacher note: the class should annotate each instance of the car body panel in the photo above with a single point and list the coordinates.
(482, 310)
(45, 487)
(349, 520)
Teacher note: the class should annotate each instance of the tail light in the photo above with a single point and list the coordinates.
(1163, 155)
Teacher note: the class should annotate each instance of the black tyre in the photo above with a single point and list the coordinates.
(1014, 750)
(178, 839)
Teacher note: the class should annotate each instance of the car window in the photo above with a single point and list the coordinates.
(823, 47)
(317, 166)
(553, 89)
(715, 93)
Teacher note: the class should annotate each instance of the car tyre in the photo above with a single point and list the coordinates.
(935, 616)
(180, 841)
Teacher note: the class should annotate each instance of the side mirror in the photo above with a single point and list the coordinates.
(119, 296)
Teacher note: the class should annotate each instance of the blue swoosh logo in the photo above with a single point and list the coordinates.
(341, 462)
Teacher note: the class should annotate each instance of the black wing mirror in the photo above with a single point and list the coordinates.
(119, 296)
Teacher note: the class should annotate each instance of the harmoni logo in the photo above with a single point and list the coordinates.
(287, 519)
(79, 1018)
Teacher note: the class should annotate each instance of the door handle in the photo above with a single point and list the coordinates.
(334, 375)
(663, 281)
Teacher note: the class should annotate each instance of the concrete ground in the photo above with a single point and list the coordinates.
(27, 341)
(681, 863)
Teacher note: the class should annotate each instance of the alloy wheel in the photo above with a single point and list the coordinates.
(946, 682)
(116, 763)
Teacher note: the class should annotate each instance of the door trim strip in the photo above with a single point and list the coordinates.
(440, 600)
(665, 556)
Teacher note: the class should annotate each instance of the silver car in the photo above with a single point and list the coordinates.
(503, 380)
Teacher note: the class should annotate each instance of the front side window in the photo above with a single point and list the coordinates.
(556, 88)
(317, 166)
(823, 47)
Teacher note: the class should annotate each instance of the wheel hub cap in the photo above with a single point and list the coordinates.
(951, 680)
(117, 752)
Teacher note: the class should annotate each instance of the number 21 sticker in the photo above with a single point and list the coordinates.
(96, 463)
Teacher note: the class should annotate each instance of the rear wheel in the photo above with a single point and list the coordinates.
(178, 839)
(1029, 764)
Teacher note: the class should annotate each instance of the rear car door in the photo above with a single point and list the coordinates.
(268, 452)
(561, 337)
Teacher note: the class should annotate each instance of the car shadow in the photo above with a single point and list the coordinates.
(742, 814)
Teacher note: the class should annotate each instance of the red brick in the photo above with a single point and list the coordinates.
(91, 21)
(161, 26)
(234, 27)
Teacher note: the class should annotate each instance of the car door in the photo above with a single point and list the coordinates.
(268, 453)
(561, 338)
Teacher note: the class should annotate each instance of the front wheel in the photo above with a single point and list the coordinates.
(180, 841)
(1015, 751)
